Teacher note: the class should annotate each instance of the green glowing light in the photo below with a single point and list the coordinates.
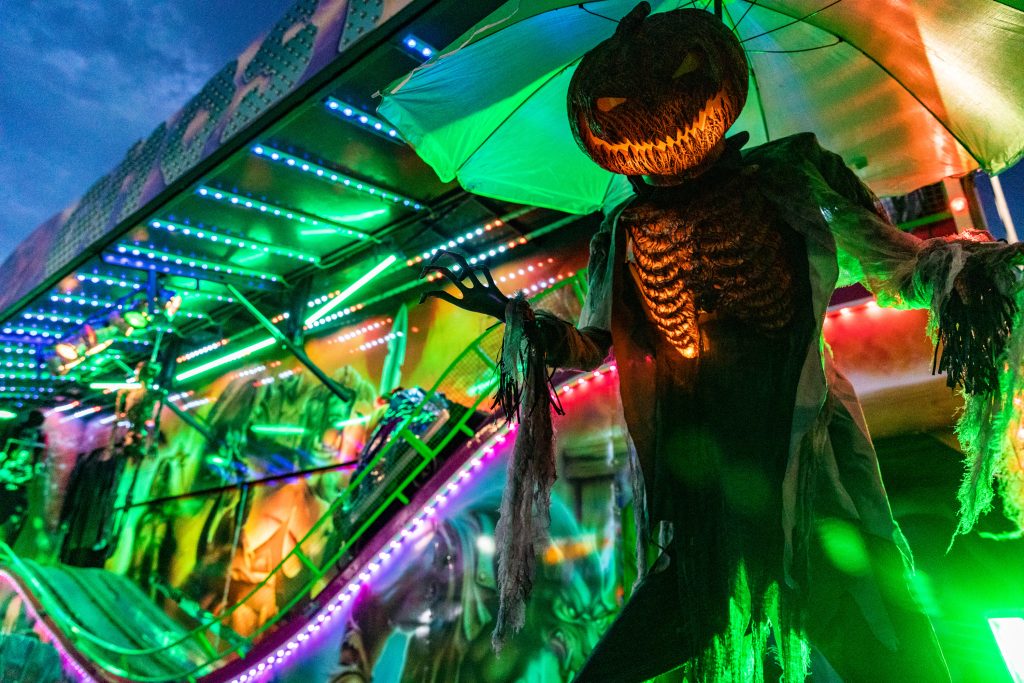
(350, 290)
(352, 421)
(217, 362)
(1009, 635)
(290, 430)
(844, 546)
(364, 216)
(7, 415)
(353, 218)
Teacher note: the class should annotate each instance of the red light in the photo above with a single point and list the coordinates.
(958, 204)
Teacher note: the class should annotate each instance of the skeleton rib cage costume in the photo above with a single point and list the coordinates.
(830, 468)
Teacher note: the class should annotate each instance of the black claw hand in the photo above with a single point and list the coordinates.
(479, 297)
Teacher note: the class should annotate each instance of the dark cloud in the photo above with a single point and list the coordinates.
(82, 80)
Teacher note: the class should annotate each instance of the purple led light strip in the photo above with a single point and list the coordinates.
(487, 451)
(67, 659)
(282, 652)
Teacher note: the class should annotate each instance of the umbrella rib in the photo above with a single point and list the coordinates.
(873, 61)
(837, 41)
(753, 74)
(513, 113)
(796, 20)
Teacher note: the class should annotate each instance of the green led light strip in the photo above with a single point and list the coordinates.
(217, 362)
(350, 290)
(148, 252)
(212, 235)
(289, 430)
(289, 214)
(311, 321)
(332, 176)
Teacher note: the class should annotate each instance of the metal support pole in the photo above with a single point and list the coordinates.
(344, 393)
(191, 420)
(1002, 209)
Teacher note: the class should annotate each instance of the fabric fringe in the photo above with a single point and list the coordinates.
(973, 318)
(986, 430)
(522, 529)
(976, 306)
(741, 650)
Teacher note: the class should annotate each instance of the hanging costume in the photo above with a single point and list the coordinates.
(711, 287)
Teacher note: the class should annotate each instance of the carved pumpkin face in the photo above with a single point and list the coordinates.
(657, 97)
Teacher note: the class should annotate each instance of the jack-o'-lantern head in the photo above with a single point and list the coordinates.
(657, 97)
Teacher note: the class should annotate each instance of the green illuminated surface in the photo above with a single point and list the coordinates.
(7, 415)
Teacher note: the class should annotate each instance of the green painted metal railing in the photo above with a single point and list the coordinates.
(115, 658)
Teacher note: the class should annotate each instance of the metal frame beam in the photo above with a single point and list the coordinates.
(344, 393)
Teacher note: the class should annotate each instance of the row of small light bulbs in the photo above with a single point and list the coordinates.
(21, 364)
(345, 595)
(333, 176)
(337, 315)
(359, 331)
(273, 378)
(355, 115)
(27, 331)
(52, 318)
(203, 349)
(455, 242)
(281, 212)
(108, 280)
(153, 254)
(379, 341)
(211, 234)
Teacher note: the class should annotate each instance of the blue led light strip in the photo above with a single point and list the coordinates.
(213, 235)
(53, 317)
(108, 279)
(332, 176)
(244, 202)
(417, 47)
(25, 331)
(362, 119)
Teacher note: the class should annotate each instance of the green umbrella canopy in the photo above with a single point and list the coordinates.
(906, 92)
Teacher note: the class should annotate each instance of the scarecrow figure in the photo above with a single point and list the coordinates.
(710, 286)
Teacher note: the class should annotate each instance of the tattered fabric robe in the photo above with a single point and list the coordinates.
(831, 463)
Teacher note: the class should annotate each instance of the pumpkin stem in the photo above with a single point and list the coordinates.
(631, 22)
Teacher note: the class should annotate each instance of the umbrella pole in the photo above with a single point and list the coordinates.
(718, 8)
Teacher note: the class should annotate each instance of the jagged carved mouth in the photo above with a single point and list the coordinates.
(707, 126)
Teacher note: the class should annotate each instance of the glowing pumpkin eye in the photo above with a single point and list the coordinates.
(609, 103)
(690, 63)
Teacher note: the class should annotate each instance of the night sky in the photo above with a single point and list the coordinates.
(82, 80)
